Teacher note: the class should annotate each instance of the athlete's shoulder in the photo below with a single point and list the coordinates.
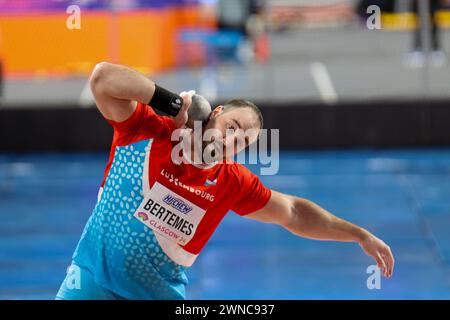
(143, 124)
(238, 171)
(250, 194)
(240, 168)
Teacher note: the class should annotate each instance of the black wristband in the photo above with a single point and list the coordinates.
(166, 101)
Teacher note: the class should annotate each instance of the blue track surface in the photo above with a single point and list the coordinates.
(402, 196)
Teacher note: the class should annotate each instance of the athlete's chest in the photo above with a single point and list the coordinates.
(179, 198)
(206, 188)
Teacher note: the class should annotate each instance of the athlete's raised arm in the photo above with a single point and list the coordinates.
(306, 219)
(118, 88)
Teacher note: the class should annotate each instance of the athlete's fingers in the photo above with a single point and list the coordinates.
(388, 264)
(182, 117)
(380, 262)
(393, 260)
(389, 258)
(187, 99)
(385, 265)
(189, 93)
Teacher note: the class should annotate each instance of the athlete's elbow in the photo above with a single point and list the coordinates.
(294, 221)
(289, 217)
(99, 76)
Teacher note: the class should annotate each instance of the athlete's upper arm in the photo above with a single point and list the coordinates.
(110, 107)
(278, 210)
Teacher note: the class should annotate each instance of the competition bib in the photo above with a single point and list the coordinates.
(172, 216)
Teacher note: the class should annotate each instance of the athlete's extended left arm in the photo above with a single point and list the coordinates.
(306, 219)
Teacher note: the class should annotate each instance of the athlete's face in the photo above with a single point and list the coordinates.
(237, 128)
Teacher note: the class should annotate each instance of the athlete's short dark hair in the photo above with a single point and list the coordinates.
(241, 103)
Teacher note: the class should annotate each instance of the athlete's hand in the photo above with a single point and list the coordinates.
(182, 117)
(380, 251)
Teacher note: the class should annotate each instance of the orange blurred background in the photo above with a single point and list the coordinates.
(40, 44)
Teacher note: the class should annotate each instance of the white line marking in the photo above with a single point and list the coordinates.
(208, 84)
(323, 82)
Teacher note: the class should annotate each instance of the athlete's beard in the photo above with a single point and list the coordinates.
(215, 150)
(207, 152)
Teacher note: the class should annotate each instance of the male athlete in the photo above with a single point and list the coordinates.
(154, 215)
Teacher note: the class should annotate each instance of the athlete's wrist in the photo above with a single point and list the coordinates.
(166, 101)
(360, 235)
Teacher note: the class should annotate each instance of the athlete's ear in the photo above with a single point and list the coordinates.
(217, 110)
